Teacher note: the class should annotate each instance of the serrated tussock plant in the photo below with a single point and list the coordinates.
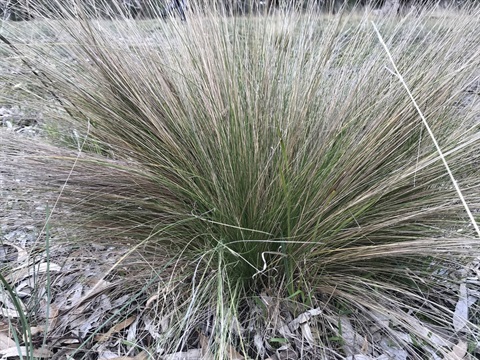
(273, 154)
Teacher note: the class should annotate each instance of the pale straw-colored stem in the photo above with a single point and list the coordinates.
(429, 130)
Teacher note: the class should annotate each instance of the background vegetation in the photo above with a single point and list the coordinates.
(25, 9)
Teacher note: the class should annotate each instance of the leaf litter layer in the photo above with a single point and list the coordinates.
(270, 172)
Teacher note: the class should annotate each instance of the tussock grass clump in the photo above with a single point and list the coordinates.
(272, 162)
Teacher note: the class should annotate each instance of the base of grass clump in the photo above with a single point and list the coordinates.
(273, 175)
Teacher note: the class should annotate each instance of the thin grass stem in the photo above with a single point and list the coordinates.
(430, 132)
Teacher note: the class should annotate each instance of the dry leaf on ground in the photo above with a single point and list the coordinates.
(120, 326)
(37, 353)
(460, 316)
(353, 341)
(458, 352)
(194, 354)
(5, 342)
